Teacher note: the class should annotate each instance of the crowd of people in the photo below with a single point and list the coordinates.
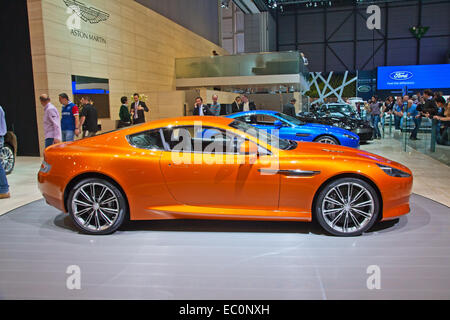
(75, 121)
(428, 104)
(84, 120)
(72, 122)
(240, 103)
(128, 116)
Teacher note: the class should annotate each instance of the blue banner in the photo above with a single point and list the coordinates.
(431, 76)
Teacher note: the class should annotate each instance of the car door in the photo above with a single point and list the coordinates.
(203, 175)
(298, 133)
(292, 131)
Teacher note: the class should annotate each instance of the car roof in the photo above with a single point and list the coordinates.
(237, 114)
(178, 121)
(206, 120)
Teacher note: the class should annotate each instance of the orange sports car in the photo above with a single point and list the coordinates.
(219, 168)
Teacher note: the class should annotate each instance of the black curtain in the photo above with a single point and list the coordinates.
(16, 76)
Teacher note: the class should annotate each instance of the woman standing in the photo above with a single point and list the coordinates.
(124, 114)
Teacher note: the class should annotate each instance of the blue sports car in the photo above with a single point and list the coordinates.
(294, 129)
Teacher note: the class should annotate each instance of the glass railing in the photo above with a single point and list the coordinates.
(429, 136)
(251, 64)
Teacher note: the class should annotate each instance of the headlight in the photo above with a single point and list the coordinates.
(393, 172)
(45, 167)
(350, 137)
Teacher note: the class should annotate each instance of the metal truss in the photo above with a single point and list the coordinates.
(379, 39)
(315, 79)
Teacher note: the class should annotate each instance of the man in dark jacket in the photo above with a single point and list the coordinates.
(429, 108)
(201, 109)
(137, 110)
(246, 105)
(235, 105)
(88, 118)
(289, 108)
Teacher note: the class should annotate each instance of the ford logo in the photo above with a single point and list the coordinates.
(401, 75)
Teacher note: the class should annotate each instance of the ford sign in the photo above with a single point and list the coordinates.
(417, 77)
(401, 75)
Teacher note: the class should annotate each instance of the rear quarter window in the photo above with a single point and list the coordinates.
(147, 140)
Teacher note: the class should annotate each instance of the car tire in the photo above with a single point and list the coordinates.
(8, 158)
(347, 207)
(97, 206)
(327, 140)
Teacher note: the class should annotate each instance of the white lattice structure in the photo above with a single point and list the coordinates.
(316, 77)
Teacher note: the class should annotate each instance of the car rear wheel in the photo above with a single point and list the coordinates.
(347, 207)
(97, 206)
(326, 139)
(8, 158)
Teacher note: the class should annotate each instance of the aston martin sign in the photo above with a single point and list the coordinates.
(85, 13)
(79, 11)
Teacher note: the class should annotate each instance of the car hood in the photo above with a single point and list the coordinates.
(340, 152)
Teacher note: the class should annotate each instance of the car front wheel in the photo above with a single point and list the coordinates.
(347, 207)
(97, 206)
(326, 139)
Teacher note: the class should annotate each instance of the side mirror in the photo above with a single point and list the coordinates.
(247, 147)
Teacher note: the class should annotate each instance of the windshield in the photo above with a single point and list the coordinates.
(342, 108)
(291, 119)
(261, 135)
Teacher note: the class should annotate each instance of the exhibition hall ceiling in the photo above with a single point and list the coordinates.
(286, 5)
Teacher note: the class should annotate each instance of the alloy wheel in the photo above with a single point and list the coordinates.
(95, 206)
(348, 207)
(7, 155)
(326, 140)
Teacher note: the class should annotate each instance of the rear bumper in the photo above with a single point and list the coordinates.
(51, 192)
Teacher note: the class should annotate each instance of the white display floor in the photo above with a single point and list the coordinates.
(224, 259)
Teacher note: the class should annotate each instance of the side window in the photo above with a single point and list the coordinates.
(250, 119)
(202, 139)
(264, 119)
(147, 140)
(246, 119)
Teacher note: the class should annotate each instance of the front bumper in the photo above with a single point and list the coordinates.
(365, 134)
(347, 142)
